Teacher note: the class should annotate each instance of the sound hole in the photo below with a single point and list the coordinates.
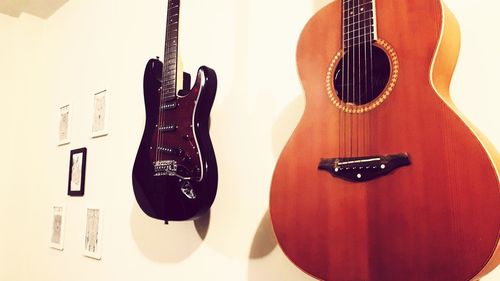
(362, 74)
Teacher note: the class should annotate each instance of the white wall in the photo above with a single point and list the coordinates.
(90, 45)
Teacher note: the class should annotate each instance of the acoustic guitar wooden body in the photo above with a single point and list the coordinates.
(437, 218)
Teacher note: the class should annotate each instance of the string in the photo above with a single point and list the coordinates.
(365, 81)
(162, 90)
(168, 83)
(344, 52)
(372, 24)
(360, 42)
(164, 85)
(352, 67)
(358, 35)
(347, 84)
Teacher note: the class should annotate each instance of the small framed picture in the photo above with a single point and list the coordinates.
(93, 233)
(57, 233)
(64, 125)
(101, 114)
(76, 178)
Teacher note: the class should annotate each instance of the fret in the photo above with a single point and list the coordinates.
(174, 19)
(362, 44)
(358, 40)
(171, 50)
(169, 61)
(169, 77)
(167, 94)
(366, 3)
(172, 29)
(357, 10)
(167, 98)
(348, 3)
(171, 26)
(173, 3)
(171, 55)
(168, 73)
(169, 81)
(359, 24)
(168, 89)
(364, 15)
(355, 35)
(363, 39)
(355, 4)
(358, 18)
(363, 30)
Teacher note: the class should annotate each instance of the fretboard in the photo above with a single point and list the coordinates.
(358, 17)
(169, 78)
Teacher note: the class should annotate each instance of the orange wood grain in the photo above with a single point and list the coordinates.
(437, 219)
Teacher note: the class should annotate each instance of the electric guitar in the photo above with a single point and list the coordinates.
(175, 170)
(383, 179)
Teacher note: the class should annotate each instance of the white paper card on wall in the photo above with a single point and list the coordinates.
(57, 232)
(101, 114)
(93, 233)
(64, 125)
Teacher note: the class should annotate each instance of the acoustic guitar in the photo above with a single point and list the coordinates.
(175, 170)
(383, 179)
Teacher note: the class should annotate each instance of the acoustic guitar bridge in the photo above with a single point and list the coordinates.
(360, 169)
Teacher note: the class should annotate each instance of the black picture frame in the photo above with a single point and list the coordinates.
(76, 178)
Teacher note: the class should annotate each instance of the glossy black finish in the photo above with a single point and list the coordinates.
(162, 197)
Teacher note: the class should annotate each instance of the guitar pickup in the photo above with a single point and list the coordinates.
(171, 151)
(168, 128)
(169, 105)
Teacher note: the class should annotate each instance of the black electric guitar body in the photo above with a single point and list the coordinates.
(175, 170)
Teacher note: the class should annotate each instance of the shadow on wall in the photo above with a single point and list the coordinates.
(263, 242)
(286, 122)
(160, 243)
(263, 265)
(40, 8)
